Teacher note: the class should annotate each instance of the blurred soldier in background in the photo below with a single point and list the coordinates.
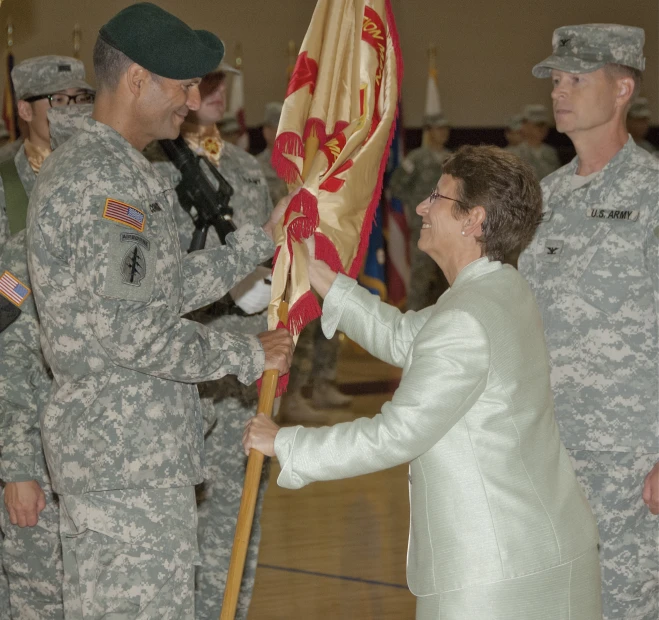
(412, 183)
(533, 149)
(638, 123)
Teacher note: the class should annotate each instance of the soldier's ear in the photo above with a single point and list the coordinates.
(24, 110)
(625, 90)
(135, 79)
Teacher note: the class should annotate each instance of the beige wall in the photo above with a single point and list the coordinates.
(486, 48)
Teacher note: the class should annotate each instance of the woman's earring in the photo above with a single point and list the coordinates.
(463, 233)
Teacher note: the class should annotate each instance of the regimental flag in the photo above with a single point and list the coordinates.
(13, 289)
(373, 273)
(397, 233)
(237, 108)
(9, 112)
(335, 129)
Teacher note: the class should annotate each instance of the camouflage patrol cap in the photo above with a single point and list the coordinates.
(162, 43)
(640, 109)
(435, 120)
(45, 75)
(536, 113)
(588, 47)
(272, 114)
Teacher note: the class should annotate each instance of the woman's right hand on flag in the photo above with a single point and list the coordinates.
(321, 276)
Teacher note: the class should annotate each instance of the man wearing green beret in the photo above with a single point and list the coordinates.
(594, 268)
(122, 430)
(412, 183)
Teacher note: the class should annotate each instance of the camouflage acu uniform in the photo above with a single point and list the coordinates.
(412, 183)
(28, 178)
(594, 268)
(122, 430)
(543, 159)
(32, 556)
(277, 187)
(229, 405)
(315, 356)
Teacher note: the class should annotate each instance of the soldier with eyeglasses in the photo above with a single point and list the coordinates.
(40, 83)
(29, 511)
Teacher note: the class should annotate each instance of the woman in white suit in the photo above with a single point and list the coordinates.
(500, 529)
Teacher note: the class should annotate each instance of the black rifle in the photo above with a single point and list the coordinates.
(204, 188)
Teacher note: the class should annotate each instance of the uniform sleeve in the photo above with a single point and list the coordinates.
(448, 374)
(131, 315)
(381, 329)
(24, 387)
(209, 274)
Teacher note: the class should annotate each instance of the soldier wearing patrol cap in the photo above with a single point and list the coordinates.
(412, 182)
(533, 149)
(40, 83)
(638, 123)
(594, 269)
(122, 430)
(29, 517)
(228, 404)
(513, 131)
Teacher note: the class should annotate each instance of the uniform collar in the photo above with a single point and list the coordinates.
(476, 269)
(125, 151)
(598, 188)
(26, 174)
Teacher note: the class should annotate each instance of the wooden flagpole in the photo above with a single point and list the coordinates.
(250, 494)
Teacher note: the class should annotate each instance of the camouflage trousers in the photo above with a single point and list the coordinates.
(129, 554)
(4, 592)
(32, 559)
(427, 282)
(315, 356)
(629, 533)
(219, 499)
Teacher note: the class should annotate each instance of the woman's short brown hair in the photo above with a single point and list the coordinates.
(508, 190)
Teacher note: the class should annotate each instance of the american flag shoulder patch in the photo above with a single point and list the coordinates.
(123, 213)
(13, 289)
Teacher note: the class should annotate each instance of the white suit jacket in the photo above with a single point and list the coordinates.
(492, 491)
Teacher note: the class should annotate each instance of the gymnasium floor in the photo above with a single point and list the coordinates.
(336, 550)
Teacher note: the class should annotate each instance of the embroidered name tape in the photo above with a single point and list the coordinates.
(123, 213)
(612, 214)
(13, 289)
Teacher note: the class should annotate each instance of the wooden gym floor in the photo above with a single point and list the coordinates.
(336, 550)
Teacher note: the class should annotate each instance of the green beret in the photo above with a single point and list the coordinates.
(162, 43)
